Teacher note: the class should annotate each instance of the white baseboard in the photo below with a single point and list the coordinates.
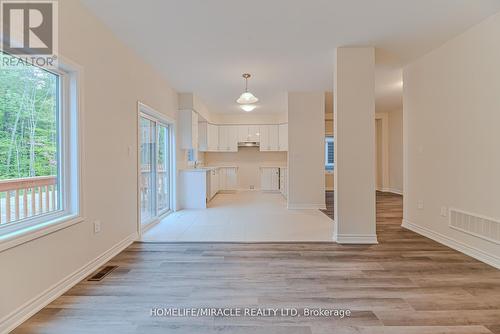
(392, 190)
(306, 206)
(25, 311)
(478, 254)
(356, 239)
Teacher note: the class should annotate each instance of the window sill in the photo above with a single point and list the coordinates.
(22, 236)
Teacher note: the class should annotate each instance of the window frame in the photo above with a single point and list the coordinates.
(69, 157)
(329, 166)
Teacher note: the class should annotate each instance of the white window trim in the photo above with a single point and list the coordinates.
(71, 86)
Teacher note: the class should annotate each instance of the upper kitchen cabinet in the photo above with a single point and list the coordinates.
(188, 123)
(269, 137)
(254, 133)
(208, 137)
(248, 133)
(228, 138)
(283, 137)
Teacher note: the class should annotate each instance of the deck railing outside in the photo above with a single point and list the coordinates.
(27, 197)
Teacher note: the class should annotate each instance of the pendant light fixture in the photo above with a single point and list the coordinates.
(248, 107)
(247, 98)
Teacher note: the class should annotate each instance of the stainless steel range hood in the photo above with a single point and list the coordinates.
(248, 144)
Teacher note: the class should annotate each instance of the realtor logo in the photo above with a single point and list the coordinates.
(29, 30)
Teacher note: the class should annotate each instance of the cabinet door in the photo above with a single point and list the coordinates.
(217, 180)
(265, 179)
(283, 137)
(265, 144)
(243, 133)
(214, 182)
(276, 179)
(269, 179)
(188, 124)
(203, 136)
(223, 146)
(253, 133)
(213, 137)
(273, 137)
(231, 178)
(232, 139)
(222, 179)
(194, 127)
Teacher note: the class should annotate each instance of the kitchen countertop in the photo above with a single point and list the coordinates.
(205, 168)
(272, 166)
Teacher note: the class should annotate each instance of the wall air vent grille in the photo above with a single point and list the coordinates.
(476, 225)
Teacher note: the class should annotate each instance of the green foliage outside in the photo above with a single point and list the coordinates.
(28, 122)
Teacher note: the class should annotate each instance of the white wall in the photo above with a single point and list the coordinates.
(248, 118)
(396, 151)
(114, 80)
(354, 127)
(451, 119)
(248, 160)
(379, 168)
(192, 102)
(306, 150)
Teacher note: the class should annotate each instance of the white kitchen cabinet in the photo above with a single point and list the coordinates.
(212, 137)
(283, 137)
(269, 138)
(243, 133)
(188, 125)
(214, 182)
(208, 137)
(228, 138)
(248, 133)
(284, 182)
(254, 133)
(228, 178)
(194, 188)
(269, 179)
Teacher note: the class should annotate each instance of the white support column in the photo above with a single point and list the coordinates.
(354, 129)
(306, 150)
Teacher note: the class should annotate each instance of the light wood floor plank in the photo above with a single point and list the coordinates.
(405, 284)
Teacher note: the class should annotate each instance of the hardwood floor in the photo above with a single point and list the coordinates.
(406, 284)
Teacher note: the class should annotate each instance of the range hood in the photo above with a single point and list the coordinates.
(248, 144)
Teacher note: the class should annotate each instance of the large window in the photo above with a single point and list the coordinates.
(329, 147)
(36, 131)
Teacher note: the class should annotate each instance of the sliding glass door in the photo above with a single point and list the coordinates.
(163, 170)
(155, 174)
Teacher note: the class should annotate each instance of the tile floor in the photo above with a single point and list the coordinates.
(243, 217)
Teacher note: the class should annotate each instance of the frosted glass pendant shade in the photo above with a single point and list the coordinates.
(248, 107)
(247, 98)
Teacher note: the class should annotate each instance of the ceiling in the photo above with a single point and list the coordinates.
(203, 46)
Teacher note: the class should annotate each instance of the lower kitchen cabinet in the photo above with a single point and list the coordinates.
(284, 182)
(228, 178)
(269, 178)
(214, 183)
